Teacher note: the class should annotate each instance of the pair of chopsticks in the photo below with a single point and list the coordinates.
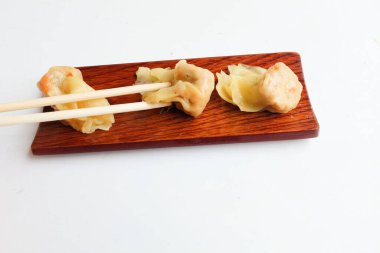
(84, 112)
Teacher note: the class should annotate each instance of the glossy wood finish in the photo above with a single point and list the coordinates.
(221, 122)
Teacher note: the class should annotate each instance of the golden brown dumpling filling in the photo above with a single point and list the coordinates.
(190, 90)
(255, 89)
(69, 80)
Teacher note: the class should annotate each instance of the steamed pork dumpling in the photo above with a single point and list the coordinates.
(68, 80)
(280, 88)
(190, 90)
(238, 88)
(156, 75)
(255, 89)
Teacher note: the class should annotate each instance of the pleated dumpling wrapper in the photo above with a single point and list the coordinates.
(255, 89)
(69, 80)
(190, 89)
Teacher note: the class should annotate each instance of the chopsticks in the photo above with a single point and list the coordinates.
(84, 112)
(54, 100)
(78, 113)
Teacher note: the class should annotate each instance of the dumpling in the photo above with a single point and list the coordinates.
(69, 80)
(281, 88)
(190, 90)
(240, 87)
(255, 89)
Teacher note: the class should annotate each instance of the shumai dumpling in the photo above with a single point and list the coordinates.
(190, 90)
(255, 89)
(69, 80)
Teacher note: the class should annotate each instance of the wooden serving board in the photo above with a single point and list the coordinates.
(220, 122)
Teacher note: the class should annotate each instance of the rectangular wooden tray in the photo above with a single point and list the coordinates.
(220, 122)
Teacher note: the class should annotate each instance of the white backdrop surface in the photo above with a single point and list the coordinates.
(313, 195)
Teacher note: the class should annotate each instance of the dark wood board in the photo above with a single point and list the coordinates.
(220, 122)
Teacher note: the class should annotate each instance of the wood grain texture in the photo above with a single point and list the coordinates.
(221, 122)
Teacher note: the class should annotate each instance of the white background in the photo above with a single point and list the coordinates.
(313, 195)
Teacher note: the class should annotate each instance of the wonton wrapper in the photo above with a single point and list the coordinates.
(68, 80)
(255, 89)
(191, 86)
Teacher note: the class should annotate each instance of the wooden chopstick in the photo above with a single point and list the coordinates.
(77, 113)
(83, 112)
(54, 100)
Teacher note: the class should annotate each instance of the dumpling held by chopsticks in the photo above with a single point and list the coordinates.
(69, 80)
(190, 90)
